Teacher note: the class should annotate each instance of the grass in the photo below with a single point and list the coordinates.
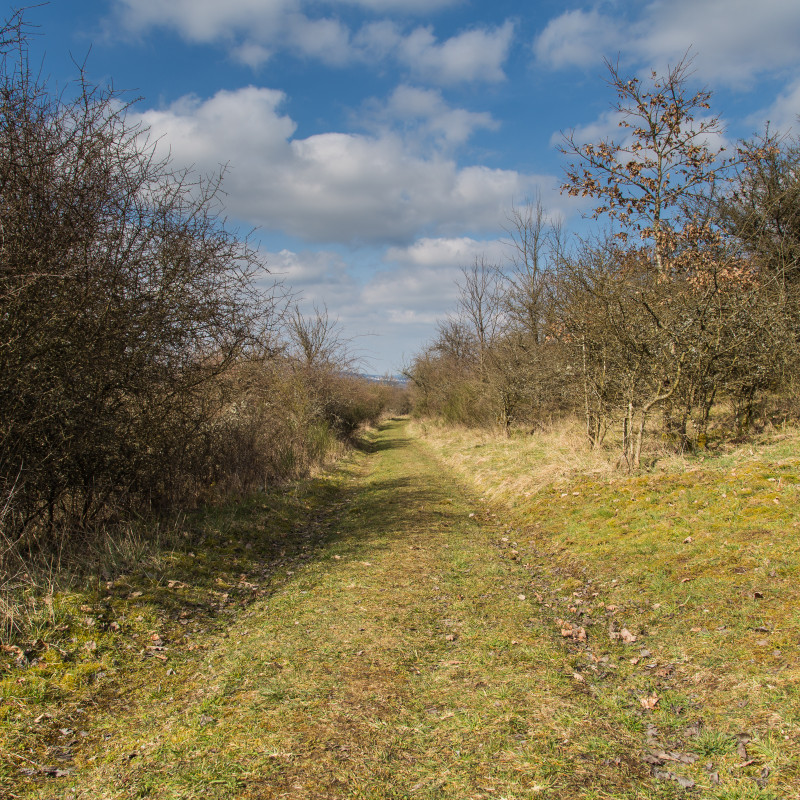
(409, 626)
(697, 559)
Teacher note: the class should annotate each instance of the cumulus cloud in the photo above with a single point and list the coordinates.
(404, 6)
(734, 40)
(475, 55)
(253, 30)
(391, 311)
(784, 112)
(332, 187)
(577, 39)
(419, 281)
(445, 252)
(425, 116)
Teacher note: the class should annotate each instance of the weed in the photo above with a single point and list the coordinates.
(713, 743)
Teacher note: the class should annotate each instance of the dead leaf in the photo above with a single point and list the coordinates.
(742, 739)
(685, 783)
(694, 729)
(570, 631)
(624, 635)
(650, 702)
(680, 758)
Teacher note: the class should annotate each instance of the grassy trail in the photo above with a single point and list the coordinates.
(411, 657)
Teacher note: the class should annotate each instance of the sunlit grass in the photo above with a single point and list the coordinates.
(698, 558)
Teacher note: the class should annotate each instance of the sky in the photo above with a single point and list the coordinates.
(376, 147)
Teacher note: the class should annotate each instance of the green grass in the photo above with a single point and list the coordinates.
(698, 560)
(384, 632)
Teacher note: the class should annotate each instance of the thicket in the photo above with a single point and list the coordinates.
(148, 362)
(685, 302)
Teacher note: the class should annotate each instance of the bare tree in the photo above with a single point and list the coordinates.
(480, 303)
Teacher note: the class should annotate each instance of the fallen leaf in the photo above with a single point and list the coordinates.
(685, 783)
(568, 630)
(694, 729)
(680, 758)
(742, 739)
(650, 702)
(624, 635)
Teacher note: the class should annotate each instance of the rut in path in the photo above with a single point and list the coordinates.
(405, 660)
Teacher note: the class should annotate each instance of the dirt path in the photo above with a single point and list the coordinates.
(407, 659)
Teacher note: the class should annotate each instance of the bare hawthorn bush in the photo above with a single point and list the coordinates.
(123, 298)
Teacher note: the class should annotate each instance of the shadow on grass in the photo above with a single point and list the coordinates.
(239, 550)
(368, 444)
(223, 558)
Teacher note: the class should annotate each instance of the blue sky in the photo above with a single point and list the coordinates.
(378, 145)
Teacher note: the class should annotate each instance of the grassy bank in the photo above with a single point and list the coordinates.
(697, 560)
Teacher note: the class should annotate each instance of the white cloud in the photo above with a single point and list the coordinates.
(419, 281)
(404, 6)
(577, 38)
(734, 40)
(390, 313)
(783, 114)
(253, 30)
(443, 252)
(206, 20)
(606, 126)
(423, 114)
(475, 55)
(333, 186)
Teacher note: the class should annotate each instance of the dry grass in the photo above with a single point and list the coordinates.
(698, 559)
(403, 658)
(383, 633)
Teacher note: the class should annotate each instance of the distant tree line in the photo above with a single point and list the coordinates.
(686, 301)
(144, 362)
